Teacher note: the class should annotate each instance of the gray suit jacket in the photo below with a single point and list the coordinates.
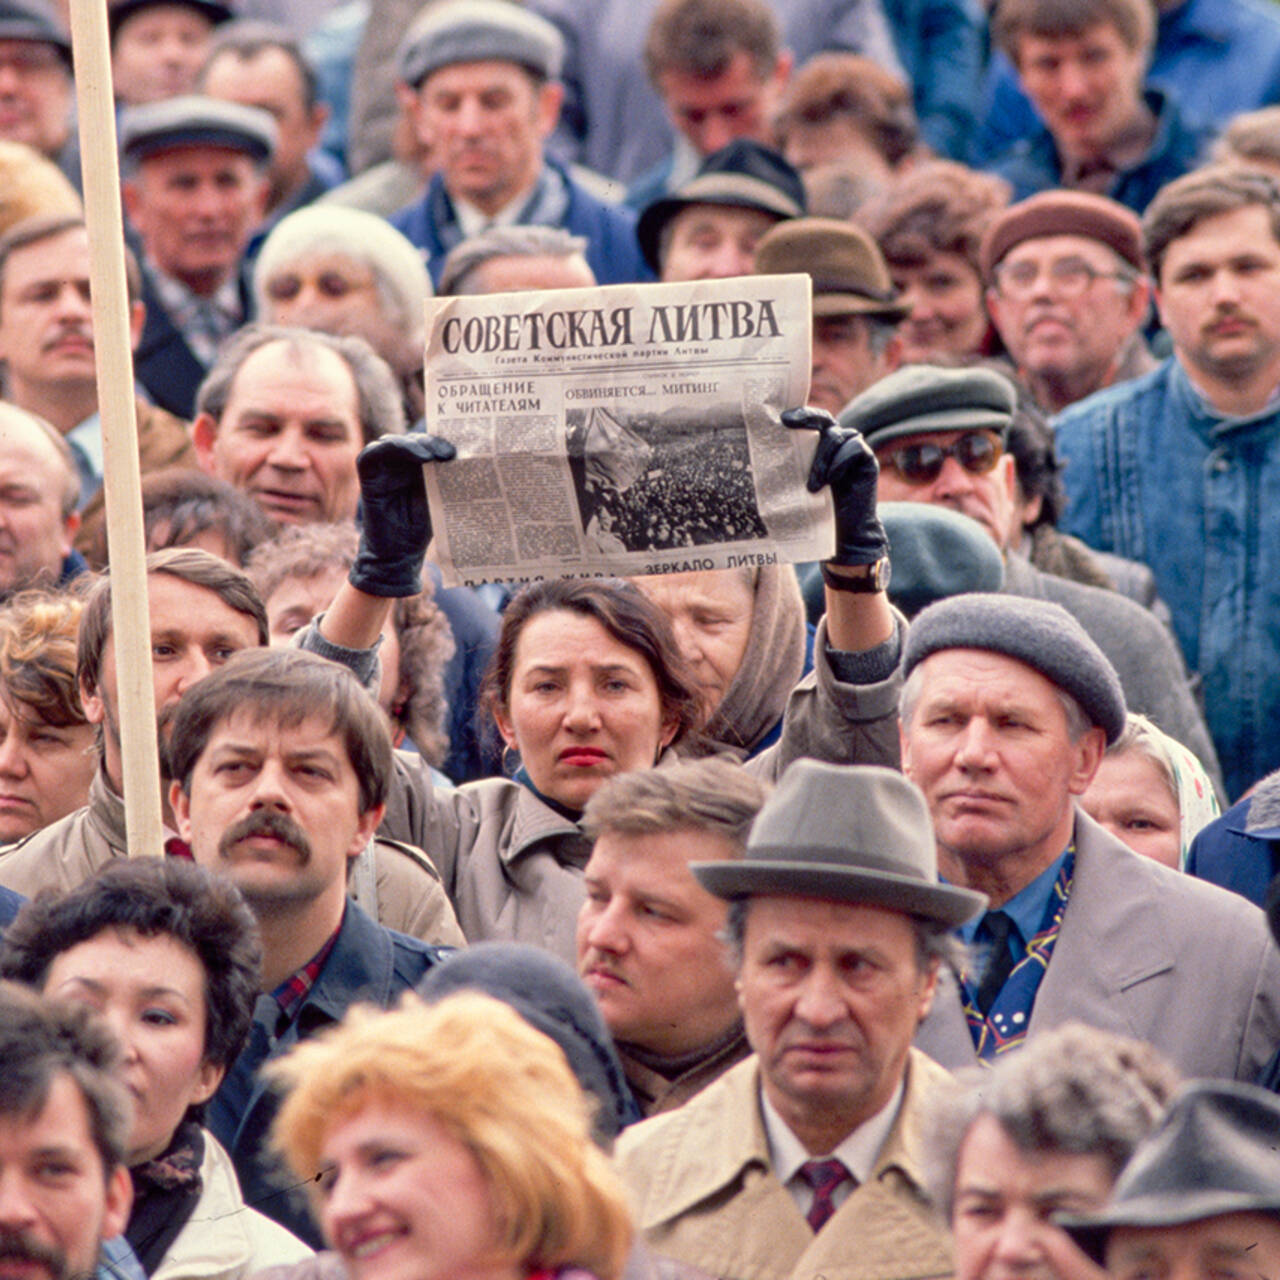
(1146, 952)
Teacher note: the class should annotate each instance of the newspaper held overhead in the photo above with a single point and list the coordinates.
(622, 430)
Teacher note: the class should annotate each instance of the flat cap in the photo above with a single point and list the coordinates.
(120, 11)
(479, 31)
(845, 264)
(743, 175)
(936, 553)
(37, 21)
(925, 397)
(194, 120)
(1215, 1151)
(1064, 213)
(1039, 633)
(846, 833)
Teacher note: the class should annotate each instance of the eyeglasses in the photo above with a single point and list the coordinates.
(1069, 277)
(977, 452)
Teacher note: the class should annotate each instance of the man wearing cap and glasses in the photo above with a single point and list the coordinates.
(1006, 710)
(710, 227)
(804, 1160)
(36, 89)
(1200, 1197)
(856, 310)
(939, 436)
(194, 188)
(479, 82)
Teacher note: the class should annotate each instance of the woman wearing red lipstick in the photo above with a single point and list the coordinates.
(450, 1142)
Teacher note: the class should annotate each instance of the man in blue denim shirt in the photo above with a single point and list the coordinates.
(1181, 468)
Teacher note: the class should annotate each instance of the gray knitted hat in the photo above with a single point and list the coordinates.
(1041, 634)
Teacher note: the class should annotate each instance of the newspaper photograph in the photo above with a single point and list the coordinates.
(621, 430)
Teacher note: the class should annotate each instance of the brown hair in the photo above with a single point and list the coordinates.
(1135, 20)
(701, 37)
(38, 632)
(626, 613)
(851, 87)
(938, 207)
(288, 686)
(41, 227)
(1254, 135)
(1206, 193)
(192, 565)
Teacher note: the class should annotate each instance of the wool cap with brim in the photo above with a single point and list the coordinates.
(120, 11)
(1215, 1151)
(35, 21)
(849, 274)
(743, 175)
(923, 397)
(1064, 213)
(194, 120)
(444, 35)
(936, 553)
(1039, 633)
(844, 833)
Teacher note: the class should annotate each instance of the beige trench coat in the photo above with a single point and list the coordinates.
(704, 1193)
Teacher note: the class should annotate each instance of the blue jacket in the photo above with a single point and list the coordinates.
(1032, 164)
(1221, 57)
(1240, 849)
(10, 903)
(368, 964)
(613, 252)
(1153, 475)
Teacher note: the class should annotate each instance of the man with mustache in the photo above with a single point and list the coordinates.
(64, 1117)
(805, 1159)
(202, 611)
(280, 764)
(1181, 469)
(46, 343)
(1067, 289)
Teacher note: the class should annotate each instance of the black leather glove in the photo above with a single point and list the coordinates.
(397, 524)
(844, 461)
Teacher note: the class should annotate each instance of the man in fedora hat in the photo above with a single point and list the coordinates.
(856, 310)
(710, 227)
(804, 1160)
(1200, 1197)
(1006, 710)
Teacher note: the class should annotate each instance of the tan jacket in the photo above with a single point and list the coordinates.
(657, 1093)
(64, 854)
(512, 865)
(705, 1194)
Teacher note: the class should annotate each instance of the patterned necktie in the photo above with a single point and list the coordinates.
(997, 926)
(824, 1176)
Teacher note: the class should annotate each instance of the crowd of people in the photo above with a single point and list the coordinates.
(908, 914)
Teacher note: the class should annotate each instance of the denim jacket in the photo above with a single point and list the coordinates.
(1152, 473)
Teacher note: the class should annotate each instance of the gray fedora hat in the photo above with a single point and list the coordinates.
(1216, 1151)
(849, 833)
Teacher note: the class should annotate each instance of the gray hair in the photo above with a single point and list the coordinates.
(1075, 1090)
(1142, 736)
(399, 272)
(712, 795)
(936, 944)
(378, 398)
(457, 276)
(1078, 723)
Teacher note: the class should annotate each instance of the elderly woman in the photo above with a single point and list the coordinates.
(929, 224)
(344, 271)
(450, 1142)
(1151, 793)
(1046, 1132)
(47, 758)
(168, 955)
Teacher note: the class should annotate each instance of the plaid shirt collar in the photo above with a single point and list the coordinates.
(290, 994)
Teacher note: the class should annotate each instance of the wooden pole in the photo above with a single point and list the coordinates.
(131, 629)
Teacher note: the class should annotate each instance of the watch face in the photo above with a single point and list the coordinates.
(881, 573)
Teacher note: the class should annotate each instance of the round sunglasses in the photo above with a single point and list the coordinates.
(976, 451)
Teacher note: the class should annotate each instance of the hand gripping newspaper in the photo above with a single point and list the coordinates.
(622, 430)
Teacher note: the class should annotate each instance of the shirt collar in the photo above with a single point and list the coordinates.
(472, 221)
(1220, 419)
(858, 1152)
(1027, 907)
